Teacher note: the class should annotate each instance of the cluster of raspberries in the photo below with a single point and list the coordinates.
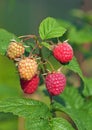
(28, 68)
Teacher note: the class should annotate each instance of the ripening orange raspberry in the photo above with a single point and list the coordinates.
(27, 68)
(15, 50)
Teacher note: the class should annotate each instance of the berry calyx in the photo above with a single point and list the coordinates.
(55, 83)
(27, 68)
(63, 52)
(15, 50)
(30, 86)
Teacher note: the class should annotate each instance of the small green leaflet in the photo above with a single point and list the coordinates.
(45, 44)
(50, 28)
(5, 38)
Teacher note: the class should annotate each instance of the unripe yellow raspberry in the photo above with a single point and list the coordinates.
(15, 50)
(27, 68)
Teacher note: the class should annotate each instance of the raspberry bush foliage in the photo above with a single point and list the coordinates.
(40, 65)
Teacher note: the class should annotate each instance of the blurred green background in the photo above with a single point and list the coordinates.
(23, 17)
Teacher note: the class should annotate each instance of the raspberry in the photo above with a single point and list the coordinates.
(30, 86)
(27, 68)
(15, 50)
(63, 52)
(55, 83)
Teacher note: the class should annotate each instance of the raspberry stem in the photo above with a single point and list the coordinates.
(51, 99)
(27, 37)
(33, 50)
(42, 59)
(50, 65)
(51, 106)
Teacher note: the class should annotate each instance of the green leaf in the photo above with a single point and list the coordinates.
(74, 66)
(9, 125)
(7, 116)
(80, 36)
(72, 98)
(5, 38)
(9, 91)
(9, 79)
(54, 62)
(86, 118)
(87, 91)
(72, 113)
(61, 124)
(88, 106)
(25, 108)
(45, 44)
(37, 124)
(86, 114)
(50, 28)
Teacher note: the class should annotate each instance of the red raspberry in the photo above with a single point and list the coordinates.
(30, 86)
(27, 68)
(15, 50)
(55, 83)
(63, 52)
